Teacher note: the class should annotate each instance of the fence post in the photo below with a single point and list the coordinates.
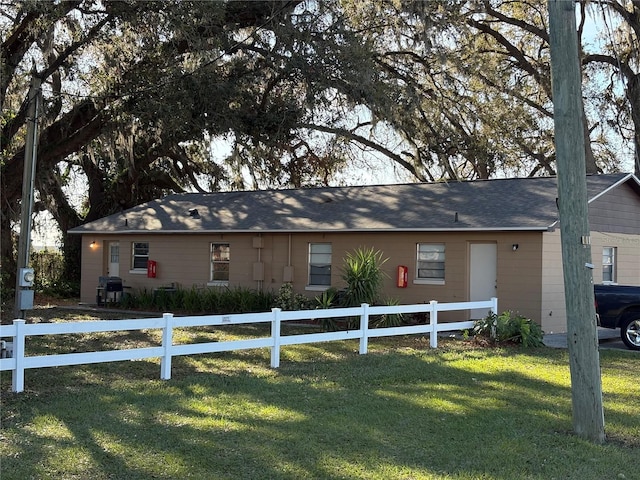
(494, 324)
(364, 328)
(494, 306)
(275, 334)
(167, 343)
(17, 379)
(433, 336)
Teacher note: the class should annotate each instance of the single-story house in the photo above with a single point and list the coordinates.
(449, 242)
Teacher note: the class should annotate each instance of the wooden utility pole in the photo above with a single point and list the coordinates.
(24, 297)
(582, 335)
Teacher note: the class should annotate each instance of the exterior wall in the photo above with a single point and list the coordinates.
(183, 260)
(553, 313)
(520, 274)
(614, 220)
(617, 211)
(93, 265)
(517, 271)
(628, 256)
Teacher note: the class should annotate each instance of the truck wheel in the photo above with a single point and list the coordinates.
(630, 333)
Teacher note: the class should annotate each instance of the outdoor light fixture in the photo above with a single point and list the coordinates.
(514, 247)
(93, 244)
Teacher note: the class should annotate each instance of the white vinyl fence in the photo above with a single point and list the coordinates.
(19, 362)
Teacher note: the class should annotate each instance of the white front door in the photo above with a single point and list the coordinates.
(113, 269)
(483, 275)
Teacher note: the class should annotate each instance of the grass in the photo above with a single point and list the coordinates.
(403, 411)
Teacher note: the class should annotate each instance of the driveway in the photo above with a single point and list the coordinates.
(607, 339)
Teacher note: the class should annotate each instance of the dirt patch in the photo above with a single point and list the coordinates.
(42, 300)
(45, 308)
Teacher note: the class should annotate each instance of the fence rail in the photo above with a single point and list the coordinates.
(19, 330)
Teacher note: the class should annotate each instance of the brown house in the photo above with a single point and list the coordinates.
(456, 241)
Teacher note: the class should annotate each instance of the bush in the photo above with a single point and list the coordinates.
(388, 319)
(200, 300)
(509, 327)
(50, 274)
(287, 299)
(61, 289)
(328, 299)
(362, 271)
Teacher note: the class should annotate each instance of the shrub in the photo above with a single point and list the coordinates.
(261, 301)
(326, 300)
(192, 300)
(287, 299)
(49, 269)
(362, 271)
(50, 275)
(509, 327)
(61, 289)
(195, 300)
(388, 319)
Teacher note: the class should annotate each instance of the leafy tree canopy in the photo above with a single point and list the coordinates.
(136, 91)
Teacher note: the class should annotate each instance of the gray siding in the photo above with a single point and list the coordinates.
(617, 211)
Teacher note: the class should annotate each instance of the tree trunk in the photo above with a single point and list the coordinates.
(60, 139)
(7, 254)
(633, 94)
(589, 159)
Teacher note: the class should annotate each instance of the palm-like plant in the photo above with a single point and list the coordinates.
(362, 271)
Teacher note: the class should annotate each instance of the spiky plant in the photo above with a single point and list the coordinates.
(362, 271)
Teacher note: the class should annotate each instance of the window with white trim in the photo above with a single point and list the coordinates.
(609, 272)
(220, 259)
(139, 255)
(320, 264)
(430, 259)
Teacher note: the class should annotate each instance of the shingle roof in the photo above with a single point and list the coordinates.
(502, 204)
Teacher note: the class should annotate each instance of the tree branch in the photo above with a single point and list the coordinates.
(32, 26)
(515, 52)
(539, 32)
(624, 67)
(342, 132)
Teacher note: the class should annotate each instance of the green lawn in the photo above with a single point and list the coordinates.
(403, 411)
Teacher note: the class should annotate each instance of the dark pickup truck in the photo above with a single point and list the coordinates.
(618, 306)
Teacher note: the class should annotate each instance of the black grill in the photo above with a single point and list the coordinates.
(111, 284)
(108, 285)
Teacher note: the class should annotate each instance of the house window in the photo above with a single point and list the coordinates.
(430, 263)
(609, 264)
(319, 264)
(140, 255)
(220, 257)
(114, 253)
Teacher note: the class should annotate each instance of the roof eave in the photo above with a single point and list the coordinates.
(351, 230)
(611, 187)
